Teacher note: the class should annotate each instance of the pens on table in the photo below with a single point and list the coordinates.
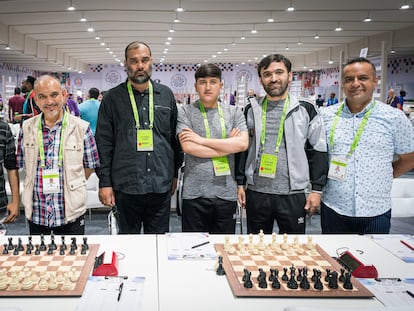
(410, 293)
(121, 286)
(408, 245)
(201, 244)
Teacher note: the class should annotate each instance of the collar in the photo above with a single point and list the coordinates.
(358, 114)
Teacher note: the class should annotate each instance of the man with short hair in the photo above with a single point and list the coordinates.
(364, 136)
(210, 134)
(58, 153)
(15, 104)
(89, 108)
(286, 154)
(139, 152)
(30, 108)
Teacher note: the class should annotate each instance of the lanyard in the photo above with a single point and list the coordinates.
(41, 145)
(281, 125)
(134, 104)
(358, 133)
(223, 125)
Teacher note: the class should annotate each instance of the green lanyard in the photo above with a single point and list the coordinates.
(358, 135)
(281, 125)
(41, 145)
(223, 125)
(134, 104)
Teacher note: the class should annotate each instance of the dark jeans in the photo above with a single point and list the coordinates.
(332, 222)
(76, 227)
(263, 209)
(209, 215)
(150, 211)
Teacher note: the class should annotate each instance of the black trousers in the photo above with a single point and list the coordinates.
(211, 215)
(263, 209)
(332, 222)
(76, 227)
(150, 211)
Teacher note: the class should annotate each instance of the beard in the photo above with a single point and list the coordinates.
(275, 90)
(139, 79)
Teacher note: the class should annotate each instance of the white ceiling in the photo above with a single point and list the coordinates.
(43, 35)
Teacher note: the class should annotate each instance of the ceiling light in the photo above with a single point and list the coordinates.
(299, 42)
(270, 19)
(392, 51)
(367, 19)
(225, 49)
(291, 8)
(171, 29)
(83, 18)
(7, 47)
(338, 28)
(176, 19)
(102, 43)
(97, 37)
(169, 38)
(287, 48)
(180, 8)
(71, 7)
(242, 37)
(90, 29)
(405, 6)
(254, 31)
(316, 36)
(111, 52)
(330, 62)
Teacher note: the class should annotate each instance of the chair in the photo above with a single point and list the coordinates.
(402, 197)
(92, 188)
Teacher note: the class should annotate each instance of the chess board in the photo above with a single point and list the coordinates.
(19, 268)
(235, 263)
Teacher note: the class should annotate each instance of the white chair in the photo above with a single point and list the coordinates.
(92, 188)
(402, 197)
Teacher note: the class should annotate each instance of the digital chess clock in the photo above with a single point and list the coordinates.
(356, 267)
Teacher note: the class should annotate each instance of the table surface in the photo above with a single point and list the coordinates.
(172, 285)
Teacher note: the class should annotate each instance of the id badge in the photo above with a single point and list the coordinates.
(337, 168)
(268, 163)
(145, 141)
(50, 178)
(221, 166)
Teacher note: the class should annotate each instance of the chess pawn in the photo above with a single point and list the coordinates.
(53, 283)
(290, 250)
(240, 245)
(227, 244)
(267, 251)
(67, 285)
(295, 242)
(251, 244)
(59, 277)
(43, 284)
(285, 244)
(14, 284)
(27, 282)
(74, 277)
(261, 245)
(310, 244)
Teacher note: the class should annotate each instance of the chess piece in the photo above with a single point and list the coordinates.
(347, 282)
(85, 242)
(14, 284)
(74, 277)
(67, 285)
(72, 249)
(27, 282)
(328, 275)
(247, 281)
(333, 280)
(75, 246)
(240, 245)
(16, 251)
(285, 276)
(227, 244)
(318, 284)
(342, 276)
(63, 245)
(304, 283)
(309, 244)
(30, 245)
(84, 248)
(261, 245)
(37, 251)
(20, 245)
(10, 245)
(285, 244)
(220, 269)
(53, 283)
(251, 244)
(5, 250)
(42, 243)
(52, 245)
(62, 250)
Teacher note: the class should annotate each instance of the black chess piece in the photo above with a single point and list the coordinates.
(74, 243)
(20, 245)
(261, 274)
(29, 245)
(85, 242)
(16, 251)
(292, 284)
(72, 249)
(333, 280)
(275, 282)
(84, 249)
(42, 246)
(272, 275)
(342, 276)
(262, 279)
(304, 283)
(347, 282)
(50, 250)
(318, 284)
(52, 244)
(37, 251)
(28, 250)
(5, 250)
(220, 269)
(299, 276)
(10, 246)
(328, 275)
(285, 276)
(62, 250)
(247, 281)
(63, 245)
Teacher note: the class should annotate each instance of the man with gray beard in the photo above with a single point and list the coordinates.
(287, 153)
(140, 155)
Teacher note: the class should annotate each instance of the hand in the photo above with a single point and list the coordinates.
(235, 132)
(188, 135)
(13, 213)
(241, 196)
(106, 196)
(312, 203)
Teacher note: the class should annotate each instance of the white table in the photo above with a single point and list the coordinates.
(193, 285)
(139, 255)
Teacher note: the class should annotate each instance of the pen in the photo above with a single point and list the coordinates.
(410, 293)
(408, 245)
(121, 286)
(201, 244)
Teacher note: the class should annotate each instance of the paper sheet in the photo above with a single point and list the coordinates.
(181, 246)
(393, 244)
(391, 292)
(101, 293)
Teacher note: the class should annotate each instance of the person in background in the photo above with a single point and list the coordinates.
(8, 160)
(89, 108)
(71, 106)
(392, 100)
(319, 101)
(402, 96)
(332, 100)
(139, 152)
(30, 108)
(364, 135)
(210, 133)
(15, 104)
(287, 153)
(58, 152)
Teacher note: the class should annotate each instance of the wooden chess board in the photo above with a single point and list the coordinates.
(235, 263)
(19, 268)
